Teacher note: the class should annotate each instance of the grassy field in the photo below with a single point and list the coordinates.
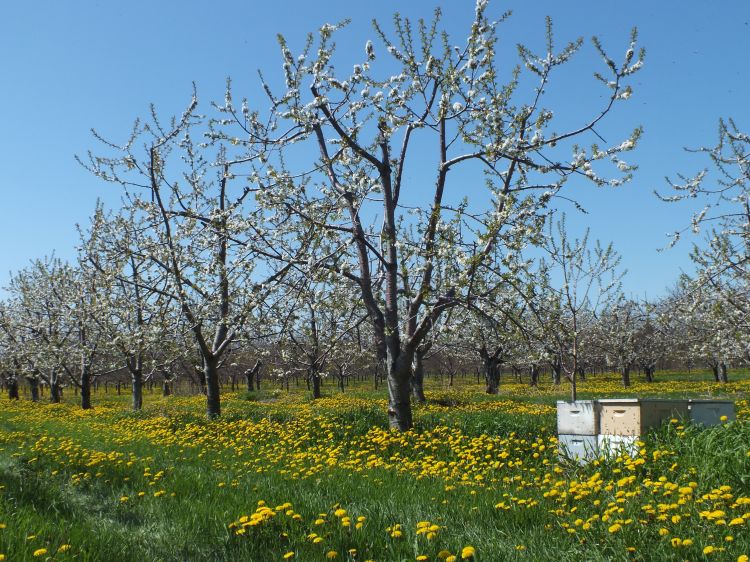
(282, 477)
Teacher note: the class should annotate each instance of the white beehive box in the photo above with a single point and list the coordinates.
(613, 445)
(581, 448)
(709, 412)
(578, 418)
(634, 416)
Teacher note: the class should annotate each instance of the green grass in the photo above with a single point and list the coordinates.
(53, 491)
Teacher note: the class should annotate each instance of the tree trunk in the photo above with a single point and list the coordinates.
(491, 375)
(723, 377)
(625, 376)
(556, 372)
(399, 391)
(211, 377)
(202, 378)
(137, 388)
(13, 389)
(166, 388)
(34, 386)
(715, 370)
(649, 373)
(253, 374)
(534, 375)
(417, 379)
(314, 377)
(54, 388)
(85, 389)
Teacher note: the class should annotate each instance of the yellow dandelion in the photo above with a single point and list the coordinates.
(288, 555)
(40, 552)
(468, 552)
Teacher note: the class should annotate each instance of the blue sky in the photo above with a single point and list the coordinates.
(70, 66)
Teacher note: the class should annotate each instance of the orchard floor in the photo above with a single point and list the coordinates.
(282, 477)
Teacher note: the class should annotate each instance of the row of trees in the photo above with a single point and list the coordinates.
(66, 325)
(336, 230)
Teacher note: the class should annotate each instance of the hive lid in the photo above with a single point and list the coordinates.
(668, 400)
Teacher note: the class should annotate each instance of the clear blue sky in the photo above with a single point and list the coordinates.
(69, 66)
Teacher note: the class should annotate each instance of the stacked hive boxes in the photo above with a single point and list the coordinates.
(577, 429)
(588, 428)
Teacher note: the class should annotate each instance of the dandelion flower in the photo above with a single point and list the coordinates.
(468, 552)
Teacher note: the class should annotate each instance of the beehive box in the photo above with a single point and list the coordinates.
(634, 416)
(578, 418)
(612, 445)
(710, 412)
(581, 448)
